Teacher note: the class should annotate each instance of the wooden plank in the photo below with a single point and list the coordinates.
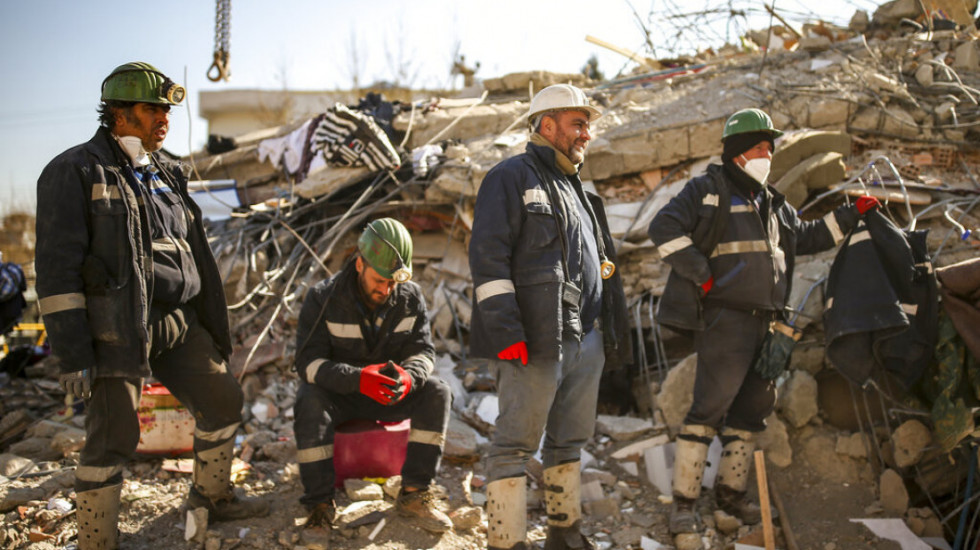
(760, 476)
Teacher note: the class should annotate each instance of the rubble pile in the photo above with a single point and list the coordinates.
(881, 107)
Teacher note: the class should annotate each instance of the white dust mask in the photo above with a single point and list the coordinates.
(757, 168)
(133, 147)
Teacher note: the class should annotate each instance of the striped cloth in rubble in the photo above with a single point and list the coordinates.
(351, 138)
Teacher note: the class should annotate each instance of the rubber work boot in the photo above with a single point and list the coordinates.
(507, 514)
(733, 475)
(316, 530)
(422, 506)
(97, 512)
(563, 502)
(212, 487)
(690, 456)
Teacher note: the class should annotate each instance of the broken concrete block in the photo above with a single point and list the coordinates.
(467, 517)
(814, 43)
(460, 440)
(924, 75)
(893, 495)
(909, 442)
(602, 508)
(818, 452)
(725, 522)
(196, 525)
(853, 445)
(592, 490)
(924, 523)
(967, 56)
(775, 442)
(12, 465)
(798, 400)
(817, 172)
(622, 428)
(828, 113)
(68, 441)
(795, 147)
(359, 489)
(703, 139)
(859, 21)
(36, 449)
(677, 392)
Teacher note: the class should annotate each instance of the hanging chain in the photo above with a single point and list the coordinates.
(222, 34)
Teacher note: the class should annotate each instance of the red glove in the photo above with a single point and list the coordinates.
(376, 385)
(405, 384)
(515, 351)
(707, 285)
(865, 203)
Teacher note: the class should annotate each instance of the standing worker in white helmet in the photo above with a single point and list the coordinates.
(364, 351)
(549, 313)
(128, 288)
(731, 241)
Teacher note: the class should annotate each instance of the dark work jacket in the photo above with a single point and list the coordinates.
(882, 303)
(337, 335)
(94, 261)
(702, 235)
(516, 262)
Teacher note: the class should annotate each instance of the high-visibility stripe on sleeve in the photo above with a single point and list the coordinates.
(97, 474)
(860, 236)
(536, 195)
(312, 369)
(927, 265)
(61, 302)
(427, 437)
(314, 454)
(831, 221)
(740, 247)
(674, 245)
(422, 358)
(742, 208)
(102, 192)
(830, 302)
(493, 288)
(220, 434)
(343, 330)
(405, 325)
(711, 199)
(910, 309)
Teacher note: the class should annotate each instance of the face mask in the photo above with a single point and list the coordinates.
(757, 168)
(133, 147)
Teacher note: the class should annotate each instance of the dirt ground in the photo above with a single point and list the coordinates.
(152, 517)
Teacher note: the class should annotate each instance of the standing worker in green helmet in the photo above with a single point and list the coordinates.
(364, 351)
(731, 241)
(128, 288)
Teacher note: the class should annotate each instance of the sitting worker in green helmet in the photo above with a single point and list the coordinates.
(364, 351)
(129, 289)
(731, 241)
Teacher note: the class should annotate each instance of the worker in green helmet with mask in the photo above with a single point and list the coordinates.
(731, 240)
(129, 289)
(364, 351)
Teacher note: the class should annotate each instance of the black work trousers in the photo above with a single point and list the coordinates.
(318, 412)
(727, 392)
(183, 358)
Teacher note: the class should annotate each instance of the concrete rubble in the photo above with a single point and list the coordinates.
(891, 112)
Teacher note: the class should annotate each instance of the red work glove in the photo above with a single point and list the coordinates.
(515, 351)
(865, 203)
(376, 385)
(405, 384)
(707, 285)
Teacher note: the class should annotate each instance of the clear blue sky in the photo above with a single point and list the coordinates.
(56, 53)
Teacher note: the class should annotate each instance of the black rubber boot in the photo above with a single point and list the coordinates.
(683, 517)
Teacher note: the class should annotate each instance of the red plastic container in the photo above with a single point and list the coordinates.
(368, 448)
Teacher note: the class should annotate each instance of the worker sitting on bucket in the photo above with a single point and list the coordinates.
(364, 351)
(731, 241)
(128, 288)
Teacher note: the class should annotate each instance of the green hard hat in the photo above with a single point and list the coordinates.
(749, 120)
(141, 83)
(386, 246)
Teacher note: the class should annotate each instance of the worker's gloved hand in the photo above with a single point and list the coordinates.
(515, 351)
(706, 286)
(376, 385)
(865, 203)
(404, 380)
(77, 383)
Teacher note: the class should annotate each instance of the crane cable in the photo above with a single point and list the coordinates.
(222, 34)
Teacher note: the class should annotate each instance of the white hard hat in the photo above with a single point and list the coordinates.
(560, 97)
